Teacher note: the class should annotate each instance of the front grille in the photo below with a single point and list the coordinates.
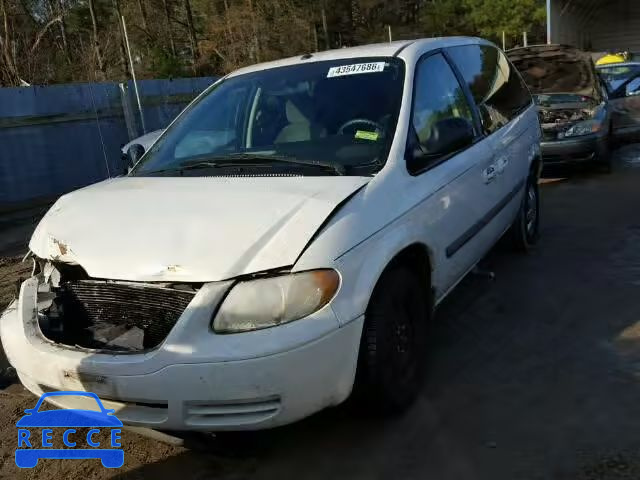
(572, 157)
(117, 316)
(549, 135)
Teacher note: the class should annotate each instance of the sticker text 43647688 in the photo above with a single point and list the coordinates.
(355, 68)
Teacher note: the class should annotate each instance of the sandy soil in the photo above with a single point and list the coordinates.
(535, 375)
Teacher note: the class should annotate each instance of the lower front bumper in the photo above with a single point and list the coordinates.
(577, 150)
(245, 394)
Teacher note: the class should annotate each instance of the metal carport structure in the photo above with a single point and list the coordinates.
(595, 25)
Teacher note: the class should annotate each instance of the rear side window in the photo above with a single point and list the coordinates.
(438, 96)
(497, 88)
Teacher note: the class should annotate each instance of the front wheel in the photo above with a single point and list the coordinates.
(392, 351)
(525, 230)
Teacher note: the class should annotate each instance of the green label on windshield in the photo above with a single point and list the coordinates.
(363, 135)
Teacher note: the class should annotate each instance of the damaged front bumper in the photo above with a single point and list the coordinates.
(587, 148)
(194, 379)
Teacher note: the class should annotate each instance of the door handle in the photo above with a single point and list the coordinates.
(494, 169)
(490, 173)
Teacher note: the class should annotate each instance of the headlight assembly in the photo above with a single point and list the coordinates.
(583, 128)
(271, 301)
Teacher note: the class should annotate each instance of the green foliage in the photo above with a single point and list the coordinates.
(222, 35)
(164, 65)
(492, 17)
(446, 17)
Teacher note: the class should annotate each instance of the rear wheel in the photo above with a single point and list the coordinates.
(392, 350)
(524, 231)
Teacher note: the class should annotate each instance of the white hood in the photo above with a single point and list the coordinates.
(192, 229)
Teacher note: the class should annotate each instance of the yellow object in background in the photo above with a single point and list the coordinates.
(611, 58)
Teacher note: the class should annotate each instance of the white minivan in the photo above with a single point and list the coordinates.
(285, 241)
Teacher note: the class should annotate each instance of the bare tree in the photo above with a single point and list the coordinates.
(96, 40)
(122, 47)
(167, 16)
(9, 67)
(63, 31)
(192, 31)
(325, 28)
(48, 41)
(143, 14)
(42, 32)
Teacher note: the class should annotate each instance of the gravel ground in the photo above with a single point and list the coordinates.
(535, 375)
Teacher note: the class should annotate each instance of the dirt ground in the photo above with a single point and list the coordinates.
(534, 375)
(12, 272)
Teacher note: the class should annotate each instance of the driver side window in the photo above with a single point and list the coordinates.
(438, 96)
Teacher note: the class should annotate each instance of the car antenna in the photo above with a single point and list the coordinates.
(306, 56)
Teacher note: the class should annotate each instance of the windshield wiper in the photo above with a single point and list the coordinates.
(258, 158)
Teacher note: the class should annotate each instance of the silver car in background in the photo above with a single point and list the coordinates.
(572, 102)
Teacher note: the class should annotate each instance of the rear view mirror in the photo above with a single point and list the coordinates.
(446, 137)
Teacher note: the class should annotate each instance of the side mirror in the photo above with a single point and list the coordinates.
(135, 153)
(446, 136)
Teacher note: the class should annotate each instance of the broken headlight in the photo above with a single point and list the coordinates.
(271, 301)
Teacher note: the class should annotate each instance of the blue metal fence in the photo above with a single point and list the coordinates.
(54, 139)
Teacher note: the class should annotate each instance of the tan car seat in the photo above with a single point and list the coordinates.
(300, 128)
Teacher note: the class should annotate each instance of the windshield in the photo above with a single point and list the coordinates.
(615, 76)
(339, 114)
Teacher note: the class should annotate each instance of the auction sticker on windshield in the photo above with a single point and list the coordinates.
(355, 68)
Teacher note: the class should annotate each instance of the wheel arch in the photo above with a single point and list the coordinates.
(418, 258)
(535, 168)
(373, 386)
(369, 269)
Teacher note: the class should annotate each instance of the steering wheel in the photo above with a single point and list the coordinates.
(361, 121)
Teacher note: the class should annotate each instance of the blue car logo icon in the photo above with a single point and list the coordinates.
(68, 419)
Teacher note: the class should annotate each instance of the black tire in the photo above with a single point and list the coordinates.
(392, 357)
(605, 167)
(525, 230)
(605, 163)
